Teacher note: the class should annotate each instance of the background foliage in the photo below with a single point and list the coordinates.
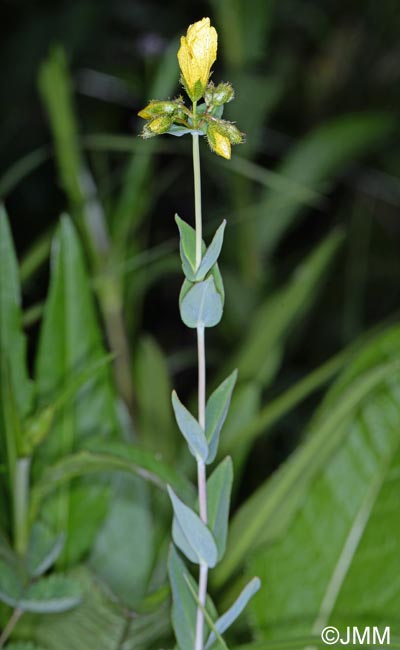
(311, 269)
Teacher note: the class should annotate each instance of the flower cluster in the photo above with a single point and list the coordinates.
(196, 55)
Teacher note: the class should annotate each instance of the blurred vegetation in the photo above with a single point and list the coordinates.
(311, 269)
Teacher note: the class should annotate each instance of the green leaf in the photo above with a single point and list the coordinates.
(219, 487)
(124, 549)
(352, 501)
(153, 386)
(230, 616)
(216, 411)
(98, 622)
(212, 253)
(279, 315)
(47, 595)
(187, 248)
(71, 342)
(191, 534)
(12, 338)
(266, 514)
(183, 605)
(190, 429)
(103, 456)
(318, 158)
(202, 305)
(44, 549)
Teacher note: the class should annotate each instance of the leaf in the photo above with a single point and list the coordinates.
(230, 616)
(216, 411)
(47, 595)
(124, 549)
(187, 248)
(183, 605)
(219, 486)
(190, 533)
(71, 342)
(202, 305)
(12, 338)
(102, 456)
(98, 622)
(190, 429)
(211, 255)
(266, 514)
(153, 386)
(280, 314)
(318, 158)
(44, 549)
(352, 501)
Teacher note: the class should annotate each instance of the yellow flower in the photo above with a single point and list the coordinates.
(196, 55)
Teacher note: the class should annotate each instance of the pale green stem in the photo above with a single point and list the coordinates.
(21, 504)
(201, 468)
(5, 635)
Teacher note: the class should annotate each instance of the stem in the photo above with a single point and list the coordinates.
(15, 616)
(201, 468)
(21, 499)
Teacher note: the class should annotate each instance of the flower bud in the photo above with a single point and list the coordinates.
(219, 95)
(155, 108)
(196, 55)
(156, 126)
(219, 143)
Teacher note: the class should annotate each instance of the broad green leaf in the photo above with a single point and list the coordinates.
(216, 411)
(153, 387)
(46, 595)
(44, 549)
(352, 502)
(230, 616)
(192, 533)
(98, 623)
(219, 486)
(190, 429)
(70, 343)
(266, 514)
(187, 247)
(280, 314)
(202, 305)
(183, 605)
(102, 456)
(211, 255)
(124, 549)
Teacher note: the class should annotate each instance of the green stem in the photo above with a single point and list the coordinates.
(5, 635)
(201, 468)
(21, 504)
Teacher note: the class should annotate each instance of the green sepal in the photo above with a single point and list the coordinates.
(219, 487)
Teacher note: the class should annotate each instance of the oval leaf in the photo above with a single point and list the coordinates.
(216, 412)
(219, 487)
(212, 253)
(201, 306)
(190, 429)
(195, 533)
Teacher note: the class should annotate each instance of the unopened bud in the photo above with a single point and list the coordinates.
(155, 108)
(219, 143)
(219, 95)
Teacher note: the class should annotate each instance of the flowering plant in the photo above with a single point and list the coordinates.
(200, 536)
